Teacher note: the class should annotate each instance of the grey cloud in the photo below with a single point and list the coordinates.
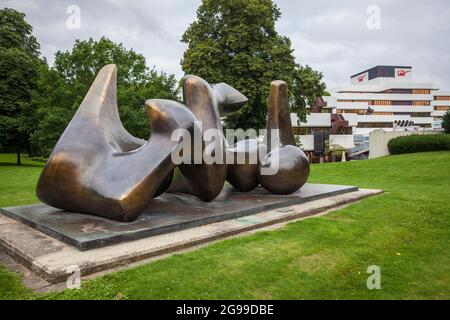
(331, 36)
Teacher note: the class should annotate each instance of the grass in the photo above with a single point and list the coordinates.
(405, 232)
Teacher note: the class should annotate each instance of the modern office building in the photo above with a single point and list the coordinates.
(441, 104)
(386, 97)
(323, 130)
(382, 97)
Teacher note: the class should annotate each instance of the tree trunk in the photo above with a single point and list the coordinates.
(18, 157)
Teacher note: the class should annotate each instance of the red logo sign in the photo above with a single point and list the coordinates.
(361, 77)
(402, 73)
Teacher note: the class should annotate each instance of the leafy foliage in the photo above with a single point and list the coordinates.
(235, 41)
(446, 122)
(19, 63)
(419, 143)
(15, 32)
(62, 88)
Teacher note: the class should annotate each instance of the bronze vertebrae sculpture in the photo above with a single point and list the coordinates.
(98, 168)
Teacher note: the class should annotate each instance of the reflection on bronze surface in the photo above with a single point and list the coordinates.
(206, 180)
(292, 163)
(98, 168)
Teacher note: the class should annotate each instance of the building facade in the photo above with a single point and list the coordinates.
(382, 97)
(323, 131)
(441, 104)
(386, 97)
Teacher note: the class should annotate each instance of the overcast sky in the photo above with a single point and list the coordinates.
(331, 36)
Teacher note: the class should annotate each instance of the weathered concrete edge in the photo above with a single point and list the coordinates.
(57, 276)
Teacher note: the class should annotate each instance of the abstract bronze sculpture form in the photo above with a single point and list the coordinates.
(98, 168)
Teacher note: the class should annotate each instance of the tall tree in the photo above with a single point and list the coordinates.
(19, 63)
(235, 41)
(62, 88)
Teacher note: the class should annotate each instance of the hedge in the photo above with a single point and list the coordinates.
(419, 143)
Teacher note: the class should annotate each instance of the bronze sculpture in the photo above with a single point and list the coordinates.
(98, 168)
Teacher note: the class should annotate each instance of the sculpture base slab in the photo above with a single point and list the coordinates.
(167, 213)
(53, 260)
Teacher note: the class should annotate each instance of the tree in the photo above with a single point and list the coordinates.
(307, 85)
(235, 41)
(19, 63)
(15, 32)
(446, 122)
(62, 88)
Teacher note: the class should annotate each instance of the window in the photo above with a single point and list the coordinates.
(413, 114)
(442, 98)
(375, 125)
(421, 103)
(382, 113)
(381, 103)
(402, 103)
(403, 91)
(358, 111)
(421, 91)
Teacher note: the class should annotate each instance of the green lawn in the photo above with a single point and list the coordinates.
(405, 231)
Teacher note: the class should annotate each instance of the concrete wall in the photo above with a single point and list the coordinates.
(378, 141)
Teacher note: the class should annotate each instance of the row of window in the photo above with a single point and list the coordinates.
(398, 91)
(375, 124)
(387, 113)
(421, 103)
(421, 91)
(303, 131)
(442, 108)
(381, 102)
(442, 98)
(413, 114)
(358, 111)
(364, 112)
(403, 91)
(382, 113)
(390, 103)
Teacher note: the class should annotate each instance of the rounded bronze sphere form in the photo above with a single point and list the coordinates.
(293, 170)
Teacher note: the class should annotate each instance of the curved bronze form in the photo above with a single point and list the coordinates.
(291, 164)
(98, 168)
(205, 101)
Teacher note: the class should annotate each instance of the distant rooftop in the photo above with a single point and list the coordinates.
(380, 70)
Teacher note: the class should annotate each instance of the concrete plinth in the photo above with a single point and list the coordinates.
(167, 213)
(51, 258)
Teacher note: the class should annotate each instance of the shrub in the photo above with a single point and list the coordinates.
(419, 143)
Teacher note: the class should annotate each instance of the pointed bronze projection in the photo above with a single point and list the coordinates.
(98, 168)
(286, 166)
(282, 154)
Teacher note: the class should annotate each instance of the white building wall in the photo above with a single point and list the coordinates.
(386, 86)
(345, 141)
(422, 120)
(317, 120)
(379, 139)
(440, 103)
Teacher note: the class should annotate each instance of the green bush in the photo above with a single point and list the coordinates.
(419, 143)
